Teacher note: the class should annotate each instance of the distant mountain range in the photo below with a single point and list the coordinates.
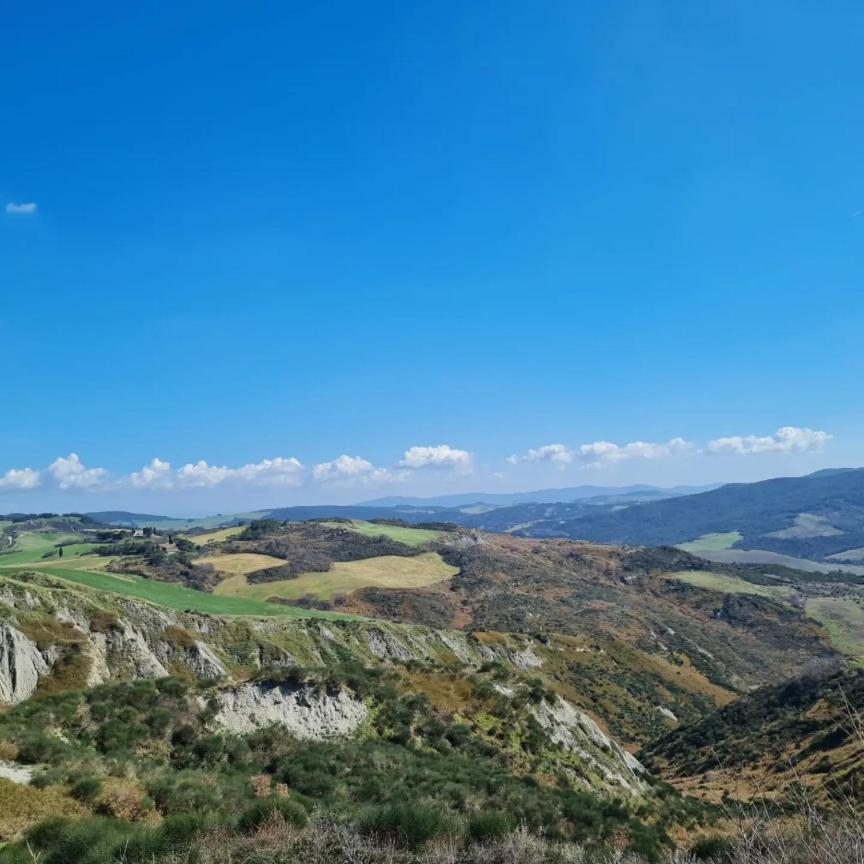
(539, 496)
(444, 508)
(819, 517)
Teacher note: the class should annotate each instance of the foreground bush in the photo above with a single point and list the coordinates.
(405, 825)
(398, 839)
(280, 810)
(488, 826)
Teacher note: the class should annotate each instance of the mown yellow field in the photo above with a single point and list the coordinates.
(216, 536)
(387, 571)
(241, 563)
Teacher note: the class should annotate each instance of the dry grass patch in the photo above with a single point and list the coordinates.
(386, 571)
(453, 692)
(216, 536)
(23, 806)
(241, 563)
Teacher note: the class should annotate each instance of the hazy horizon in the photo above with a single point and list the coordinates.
(197, 501)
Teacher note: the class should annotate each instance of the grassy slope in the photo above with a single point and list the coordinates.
(178, 597)
(216, 536)
(89, 570)
(387, 571)
(730, 584)
(711, 542)
(409, 536)
(843, 618)
(32, 546)
(241, 563)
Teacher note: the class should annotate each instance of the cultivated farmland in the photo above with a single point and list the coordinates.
(408, 536)
(386, 571)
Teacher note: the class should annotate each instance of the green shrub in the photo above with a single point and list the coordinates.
(143, 843)
(182, 827)
(86, 789)
(407, 825)
(712, 848)
(488, 825)
(99, 840)
(268, 809)
(78, 841)
(185, 792)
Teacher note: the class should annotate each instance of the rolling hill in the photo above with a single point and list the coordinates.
(337, 671)
(539, 496)
(819, 517)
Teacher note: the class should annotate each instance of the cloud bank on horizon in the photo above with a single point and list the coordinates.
(69, 473)
(787, 439)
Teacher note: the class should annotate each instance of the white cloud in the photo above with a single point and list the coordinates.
(201, 475)
(71, 473)
(20, 479)
(440, 456)
(280, 471)
(156, 475)
(787, 439)
(607, 453)
(557, 454)
(354, 468)
(342, 467)
(21, 209)
(602, 452)
(159, 475)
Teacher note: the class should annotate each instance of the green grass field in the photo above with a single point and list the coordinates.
(730, 584)
(843, 618)
(80, 568)
(409, 536)
(173, 596)
(711, 542)
(30, 547)
(386, 571)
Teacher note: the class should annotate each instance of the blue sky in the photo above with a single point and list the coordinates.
(300, 231)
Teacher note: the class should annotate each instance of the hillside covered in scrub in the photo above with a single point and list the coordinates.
(376, 682)
(311, 719)
(817, 517)
(807, 731)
